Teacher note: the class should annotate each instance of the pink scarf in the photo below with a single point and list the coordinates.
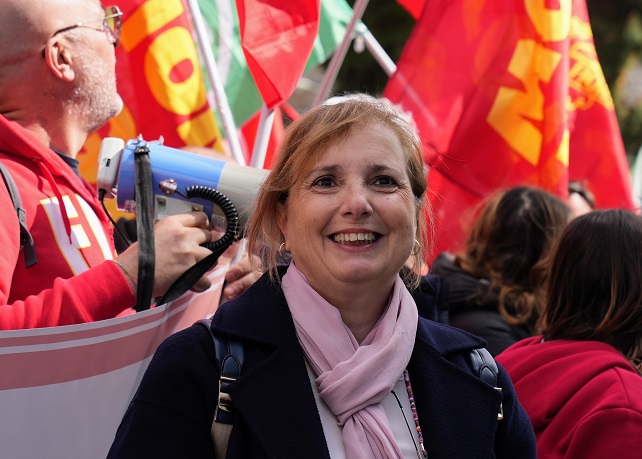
(353, 379)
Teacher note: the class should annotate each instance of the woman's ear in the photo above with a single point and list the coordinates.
(282, 218)
(58, 59)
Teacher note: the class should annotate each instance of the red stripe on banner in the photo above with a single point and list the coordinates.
(60, 334)
(55, 366)
(48, 356)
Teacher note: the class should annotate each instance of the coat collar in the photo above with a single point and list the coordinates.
(274, 398)
(245, 318)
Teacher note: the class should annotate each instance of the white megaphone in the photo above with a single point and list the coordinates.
(173, 172)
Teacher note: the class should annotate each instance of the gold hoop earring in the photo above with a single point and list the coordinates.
(281, 247)
(415, 252)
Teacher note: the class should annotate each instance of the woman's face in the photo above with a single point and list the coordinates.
(352, 219)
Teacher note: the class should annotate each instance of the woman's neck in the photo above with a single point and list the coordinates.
(360, 308)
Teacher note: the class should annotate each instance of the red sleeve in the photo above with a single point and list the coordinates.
(99, 293)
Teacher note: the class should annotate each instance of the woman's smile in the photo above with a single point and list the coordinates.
(352, 238)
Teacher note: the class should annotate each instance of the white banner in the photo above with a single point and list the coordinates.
(64, 390)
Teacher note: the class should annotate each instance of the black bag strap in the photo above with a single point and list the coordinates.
(485, 367)
(26, 241)
(229, 357)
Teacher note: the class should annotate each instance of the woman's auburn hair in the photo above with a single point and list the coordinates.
(509, 244)
(305, 141)
(594, 288)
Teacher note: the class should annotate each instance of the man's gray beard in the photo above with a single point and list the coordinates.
(94, 99)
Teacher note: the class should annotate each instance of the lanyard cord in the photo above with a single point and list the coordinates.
(421, 450)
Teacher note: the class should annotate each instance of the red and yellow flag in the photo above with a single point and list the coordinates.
(160, 81)
(508, 92)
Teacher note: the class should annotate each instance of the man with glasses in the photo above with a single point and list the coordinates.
(57, 85)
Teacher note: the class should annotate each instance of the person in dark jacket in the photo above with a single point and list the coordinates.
(338, 362)
(496, 283)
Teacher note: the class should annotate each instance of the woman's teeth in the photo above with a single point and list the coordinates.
(352, 238)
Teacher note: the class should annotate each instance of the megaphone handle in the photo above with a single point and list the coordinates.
(192, 275)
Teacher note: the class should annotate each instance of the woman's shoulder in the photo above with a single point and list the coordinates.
(620, 386)
(446, 338)
(491, 326)
(259, 315)
(186, 345)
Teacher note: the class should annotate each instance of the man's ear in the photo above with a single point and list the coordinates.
(58, 59)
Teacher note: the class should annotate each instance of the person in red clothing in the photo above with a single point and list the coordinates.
(57, 85)
(581, 381)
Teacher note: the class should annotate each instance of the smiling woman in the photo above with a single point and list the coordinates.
(338, 364)
(352, 208)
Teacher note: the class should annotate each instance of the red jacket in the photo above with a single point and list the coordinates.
(583, 397)
(72, 281)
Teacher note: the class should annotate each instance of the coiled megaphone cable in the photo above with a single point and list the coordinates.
(193, 274)
(228, 208)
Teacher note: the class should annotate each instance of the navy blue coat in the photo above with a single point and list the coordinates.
(277, 417)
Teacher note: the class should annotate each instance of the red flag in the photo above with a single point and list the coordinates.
(502, 90)
(597, 154)
(414, 7)
(277, 39)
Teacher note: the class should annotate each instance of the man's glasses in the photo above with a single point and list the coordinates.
(112, 24)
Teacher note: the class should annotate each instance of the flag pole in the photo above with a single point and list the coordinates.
(339, 55)
(262, 138)
(220, 98)
(377, 51)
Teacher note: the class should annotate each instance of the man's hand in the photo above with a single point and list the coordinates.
(177, 241)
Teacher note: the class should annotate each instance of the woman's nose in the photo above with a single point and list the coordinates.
(356, 201)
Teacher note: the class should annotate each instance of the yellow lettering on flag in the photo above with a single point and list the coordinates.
(585, 74)
(168, 50)
(562, 153)
(551, 24)
(514, 110)
(150, 17)
(201, 130)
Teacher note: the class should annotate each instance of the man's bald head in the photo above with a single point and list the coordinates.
(55, 77)
(20, 29)
(26, 25)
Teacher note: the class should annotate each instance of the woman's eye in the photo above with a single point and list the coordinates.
(324, 182)
(384, 181)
